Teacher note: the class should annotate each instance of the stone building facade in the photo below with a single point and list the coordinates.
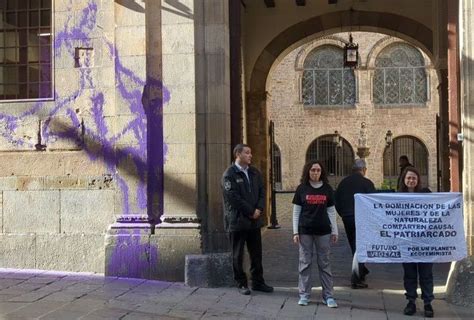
(118, 118)
(298, 124)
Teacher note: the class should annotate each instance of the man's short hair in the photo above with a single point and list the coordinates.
(359, 164)
(239, 148)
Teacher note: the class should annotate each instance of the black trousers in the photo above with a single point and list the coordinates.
(253, 240)
(350, 227)
(422, 272)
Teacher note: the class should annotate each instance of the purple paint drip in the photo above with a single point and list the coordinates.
(131, 256)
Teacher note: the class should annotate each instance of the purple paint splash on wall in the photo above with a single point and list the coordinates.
(146, 126)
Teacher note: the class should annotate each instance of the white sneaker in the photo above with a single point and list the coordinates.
(303, 302)
(330, 302)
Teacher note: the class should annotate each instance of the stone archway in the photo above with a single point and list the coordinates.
(256, 107)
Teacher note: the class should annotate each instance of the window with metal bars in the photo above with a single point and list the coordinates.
(400, 76)
(416, 152)
(337, 158)
(25, 49)
(326, 82)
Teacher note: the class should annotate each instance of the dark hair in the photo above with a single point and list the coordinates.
(307, 167)
(402, 187)
(404, 158)
(239, 148)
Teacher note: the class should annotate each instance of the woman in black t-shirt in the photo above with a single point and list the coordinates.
(314, 225)
(412, 272)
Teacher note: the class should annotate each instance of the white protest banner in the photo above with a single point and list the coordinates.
(409, 227)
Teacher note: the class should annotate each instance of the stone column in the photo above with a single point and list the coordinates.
(196, 126)
(258, 137)
(460, 286)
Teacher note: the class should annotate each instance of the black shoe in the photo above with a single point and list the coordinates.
(429, 313)
(262, 287)
(364, 273)
(274, 226)
(244, 290)
(359, 285)
(410, 309)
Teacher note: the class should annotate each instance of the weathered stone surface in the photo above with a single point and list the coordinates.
(209, 270)
(23, 137)
(460, 288)
(70, 252)
(38, 164)
(130, 40)
(17, 250)
(31, 211)
(129, 253)
(173, 244)
(86, 211)
(105, 181)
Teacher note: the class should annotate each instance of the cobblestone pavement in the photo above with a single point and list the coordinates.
(34, 294)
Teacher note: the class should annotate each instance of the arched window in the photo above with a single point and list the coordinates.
(276, 167)
(337, 157)
(325, 80)
(417, 155)
(400, 76)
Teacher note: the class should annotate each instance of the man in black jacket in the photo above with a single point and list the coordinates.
(355, 183)
(244, 201)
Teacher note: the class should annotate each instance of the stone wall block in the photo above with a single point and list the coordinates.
(105, 181)
(63, 134)
(70, 252)
(31, 211)
(127, 17)
(179, 128)
(173, 245)
(181, 200)
(216, 11)
(131, 189)
(181, 163)
(218, 100)
(79, 163)
(176, 38)
(209, 270)
(23, 137)
(179, 69)
(128, 253)
(130, 40)
(182, 99)
(18, 250)
(170, 16)
(86, 211)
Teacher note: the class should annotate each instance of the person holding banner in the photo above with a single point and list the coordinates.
(347, 188)
(412, 272)
(314, 226)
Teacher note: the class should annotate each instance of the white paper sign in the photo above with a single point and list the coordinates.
(410, 227)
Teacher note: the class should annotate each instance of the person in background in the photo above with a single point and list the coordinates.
(403, 162)
(350, 185)
(314, 226)
(244, 202)
(414, 272)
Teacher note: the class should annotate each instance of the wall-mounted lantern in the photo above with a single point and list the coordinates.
(351, 53)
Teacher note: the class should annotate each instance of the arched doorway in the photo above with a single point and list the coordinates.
(256, 121)
(335, 153)
(417, 154)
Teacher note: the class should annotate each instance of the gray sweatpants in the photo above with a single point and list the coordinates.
(321, 244)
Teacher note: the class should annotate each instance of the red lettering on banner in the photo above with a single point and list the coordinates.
(316, 199)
